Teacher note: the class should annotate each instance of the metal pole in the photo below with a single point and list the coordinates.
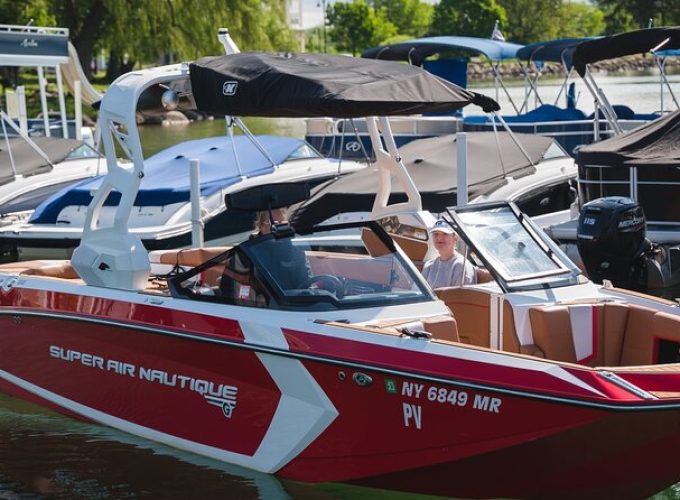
(43, 101)
(461, 167)
(78, 103)
(62, 102)
(21, 101)
(196, 221)
(230, 133)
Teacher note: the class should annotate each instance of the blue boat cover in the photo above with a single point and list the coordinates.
(166, 174)
(544, 113)
(415, 51)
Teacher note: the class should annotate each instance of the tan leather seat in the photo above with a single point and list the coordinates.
(48, 268)
(470, 308)
(187, 257)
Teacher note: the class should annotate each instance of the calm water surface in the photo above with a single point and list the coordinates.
(46, 455)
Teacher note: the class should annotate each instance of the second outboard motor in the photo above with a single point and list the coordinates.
(611, 239)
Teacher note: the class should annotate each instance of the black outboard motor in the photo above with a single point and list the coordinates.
(611, 239)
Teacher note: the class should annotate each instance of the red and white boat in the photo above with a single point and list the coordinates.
(539, 384)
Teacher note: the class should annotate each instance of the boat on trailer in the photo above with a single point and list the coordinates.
(297, 355)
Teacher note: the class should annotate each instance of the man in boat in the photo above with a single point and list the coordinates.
(449, 268)
(286, 263)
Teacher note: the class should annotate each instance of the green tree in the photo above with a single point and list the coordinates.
(412, 18)
(531, 21)
(147, 30)
(13, 12)
(579, 19)
(357, 26)
(467, 17)
(624, 15)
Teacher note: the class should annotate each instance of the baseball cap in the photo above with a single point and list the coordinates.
(442, 226)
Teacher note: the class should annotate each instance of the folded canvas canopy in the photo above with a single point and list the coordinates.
(641, 164)
(655, 144)
(27, 160)
(166, 180)
(625, 44)
(307, 85)
(431, 163)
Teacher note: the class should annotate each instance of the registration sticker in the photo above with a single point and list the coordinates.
(244, 292)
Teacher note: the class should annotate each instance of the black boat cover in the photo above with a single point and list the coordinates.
(27, 161)
(431, 164)
(625, 44)
(307, 85)
(655, 144)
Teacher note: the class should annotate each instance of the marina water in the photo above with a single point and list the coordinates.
(46, 455)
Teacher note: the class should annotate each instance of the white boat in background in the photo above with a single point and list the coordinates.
(34, 168)
(162, 210)
(162, 215)
(37, 158)
(532, 171)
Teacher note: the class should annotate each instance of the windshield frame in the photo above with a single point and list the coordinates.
(565, 272)
(281, 300)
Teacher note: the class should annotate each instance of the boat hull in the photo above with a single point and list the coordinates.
(283, 405)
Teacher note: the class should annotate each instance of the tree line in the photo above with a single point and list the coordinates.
(133, 32)
(360, 24)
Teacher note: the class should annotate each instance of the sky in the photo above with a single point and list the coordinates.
(311, 14)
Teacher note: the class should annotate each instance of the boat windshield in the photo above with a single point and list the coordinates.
(513, 247)
(348, 266)
(83, 151)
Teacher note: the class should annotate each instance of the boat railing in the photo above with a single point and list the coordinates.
(653, 195)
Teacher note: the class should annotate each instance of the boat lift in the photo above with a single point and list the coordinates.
(45, 48)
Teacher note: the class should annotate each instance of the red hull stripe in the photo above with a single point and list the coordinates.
(384, 358)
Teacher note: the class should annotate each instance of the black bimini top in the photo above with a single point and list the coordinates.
(625, 44)
(308, 85)
(431, 163)
(27, 161)
(655, 144)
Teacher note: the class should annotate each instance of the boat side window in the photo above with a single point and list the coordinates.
(547, 199)
(83, 151)
(304, 151)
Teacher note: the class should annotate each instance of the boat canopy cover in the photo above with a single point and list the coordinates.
(27, 161)
(431, 164)
(655, 144)
(558, 51)
(307, 85)
(625, 44)
(166, 174)
(415, 51)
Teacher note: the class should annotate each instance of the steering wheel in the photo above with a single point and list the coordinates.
(325, 282)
